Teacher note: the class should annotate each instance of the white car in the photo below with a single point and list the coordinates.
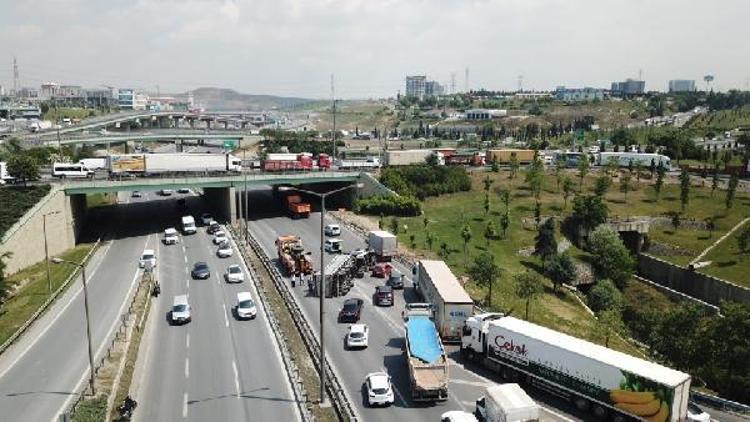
(245, 306)
(379, 390)
(697, 414)
(148, 259)
(359, 253)
(332, 230)
(357, 336)
(457, 416)
(166, 192)
(170, 236)
(180, 313)
(220, 237)
(225, 250)
(206, 219)
(234, 274)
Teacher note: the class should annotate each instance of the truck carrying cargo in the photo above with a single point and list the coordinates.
(296, 207)
(383, 244)
(292, 255)
(428, 364)
(367, 163)
(506, 403)
(301, 162)
(146, 164)
(406, 157)
(438, 286)
(503, 156)
(94, 163)
(611, 384)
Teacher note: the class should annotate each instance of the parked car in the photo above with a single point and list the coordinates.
(220, 237)
(170, 236)
(166, 192)
(697, 414)
(396, 279)
(351, 311)
(234, 274)
(379, 390)
(213, 227)
(357, 336)
(332, 230)
(136, 194)
(181, 312)
(245, 308)
(382, 270)
(206, 218)
(148, 259)
(201, 271)
(383, 296)
(183, 190)
(225, 250)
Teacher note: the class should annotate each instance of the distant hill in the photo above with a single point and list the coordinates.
(218, 99)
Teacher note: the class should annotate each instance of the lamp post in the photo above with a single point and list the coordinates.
(88, 323)
(322, 290)
(46, 250)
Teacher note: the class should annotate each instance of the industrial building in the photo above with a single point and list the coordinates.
(682, 85)
(628, 87)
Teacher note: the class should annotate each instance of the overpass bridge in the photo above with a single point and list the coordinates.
(106, 140)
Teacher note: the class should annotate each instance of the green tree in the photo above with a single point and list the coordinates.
(743, 240)
(23, 168)
(715, 179)
(537, 213)
(560, 269)
(559, 172)
(545, 242)
(429, 239)
(727, 369)
(609, 323)
(505, 222)
(486, 204)
(583, 170)
(660, 172)
(444, 251)
(425, 222)
(589, 211)
(710, 226)
(505, 197)
(613, 164)
(514, 165)
(731, 190)
(567, 190)
(601, 186)
(604, 296)
(487, 183)
(466, 236)
(490, 232)
(611, 258)
(535, 177)
(638, 169)
(495, 167)
(528, 287)
(625, 185)
(381, 221)
(413, 240)
(684, 188)
(680, 337)
(676, 220)
(394, 225)
(485, 272)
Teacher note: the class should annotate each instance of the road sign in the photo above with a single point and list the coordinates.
(229, 144)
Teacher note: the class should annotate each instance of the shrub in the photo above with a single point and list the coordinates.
(423, 181)
(402, 206)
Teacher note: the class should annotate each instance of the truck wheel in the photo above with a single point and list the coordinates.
(600, 411)
(581, 404)
(619, 418)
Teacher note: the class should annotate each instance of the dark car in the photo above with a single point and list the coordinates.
(213, 228)
(395, 280)
(383, 296)
(201, 271)
(351, 311)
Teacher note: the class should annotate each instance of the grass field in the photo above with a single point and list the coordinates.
(363, 114)
(33, 291)
(57, 114)
(728, 262)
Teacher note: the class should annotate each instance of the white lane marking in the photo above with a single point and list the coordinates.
(186, 261)
(471, 383)
(54, 320)
(187, 341)
(236, 378)
(218, 278)
(184, 405)
(226, 320)
(187, 368)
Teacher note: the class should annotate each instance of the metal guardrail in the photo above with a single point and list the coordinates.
(719, 403)
(292, 371)
(336, 391)
(22, 329)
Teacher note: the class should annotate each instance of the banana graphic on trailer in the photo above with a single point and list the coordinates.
(645, 404)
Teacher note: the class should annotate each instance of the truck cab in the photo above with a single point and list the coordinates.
(474, 334)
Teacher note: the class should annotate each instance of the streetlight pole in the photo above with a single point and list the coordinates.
(322, 289)
(46, 250)
(88, 321)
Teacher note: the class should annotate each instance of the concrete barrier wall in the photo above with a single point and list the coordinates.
(25, 240)
(371, 186)
(701, 286)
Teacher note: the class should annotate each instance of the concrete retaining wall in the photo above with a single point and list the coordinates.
(25, 240)
(371, 186)
(701, 286)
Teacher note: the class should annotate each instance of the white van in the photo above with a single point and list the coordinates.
(64, 170)
(188, 225)
(4, 176)
(332, 230)
(333, 245)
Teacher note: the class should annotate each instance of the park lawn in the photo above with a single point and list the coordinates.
(728, 262)
(34, 292)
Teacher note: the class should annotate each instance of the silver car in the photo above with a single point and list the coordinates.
(234, 274)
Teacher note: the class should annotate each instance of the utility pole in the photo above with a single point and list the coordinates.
(466, 80)
(15, 77)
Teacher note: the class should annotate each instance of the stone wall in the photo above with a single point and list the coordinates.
(701, 286)
(25, 240)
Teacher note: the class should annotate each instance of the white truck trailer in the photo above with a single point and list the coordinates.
(409, 156)
(364, 164)
(438, 286)
(612, 385)
(624, 159)
(145, 164)
(506, 403)
(383, 243)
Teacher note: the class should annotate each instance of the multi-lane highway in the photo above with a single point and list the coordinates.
(215, 367)
(385, 351)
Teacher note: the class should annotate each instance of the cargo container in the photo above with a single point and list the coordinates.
(406, 157)
(426, 358)
(624, 159)
(470, 159)
(367, 163)
(612, 385)
(506, 403)
(146, 164)
(438, 286)
(94, 163)
(503, 156)
(296, 207)
(383, 244)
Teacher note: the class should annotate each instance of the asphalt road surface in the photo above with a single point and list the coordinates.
(215, 367)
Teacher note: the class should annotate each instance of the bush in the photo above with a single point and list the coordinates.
(423, 181)
(604, 296)
(402, 206)
(15, 201)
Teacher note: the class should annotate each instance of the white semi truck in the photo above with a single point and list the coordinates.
(612, 385)
(383, 243)
(506, 403)
(145, 164)
(438, 286)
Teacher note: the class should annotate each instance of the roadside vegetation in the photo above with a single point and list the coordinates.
(16, 200)
(56, 114)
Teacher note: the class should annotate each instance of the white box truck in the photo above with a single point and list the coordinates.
(438, 286)
(506, 403)
(173, 163)
(188, 225)
(94, 163)
(406, 157)
(612, 385)
(383, 243)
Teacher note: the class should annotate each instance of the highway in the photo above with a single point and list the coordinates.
(216, 367)
(385, 325)
(40, 375)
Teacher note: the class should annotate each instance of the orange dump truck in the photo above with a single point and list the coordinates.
(292, 255)
(297, 208)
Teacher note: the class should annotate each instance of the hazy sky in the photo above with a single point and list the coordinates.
(289, 47)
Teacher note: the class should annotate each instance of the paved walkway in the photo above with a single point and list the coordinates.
(729, 233)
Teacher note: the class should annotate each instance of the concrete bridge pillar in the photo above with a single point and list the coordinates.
(178, 146)
(208, 124)
(223, 203)
(226, 124)
(192, 123)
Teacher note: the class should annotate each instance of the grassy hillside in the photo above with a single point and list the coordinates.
(217, 99)
(15, 201)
